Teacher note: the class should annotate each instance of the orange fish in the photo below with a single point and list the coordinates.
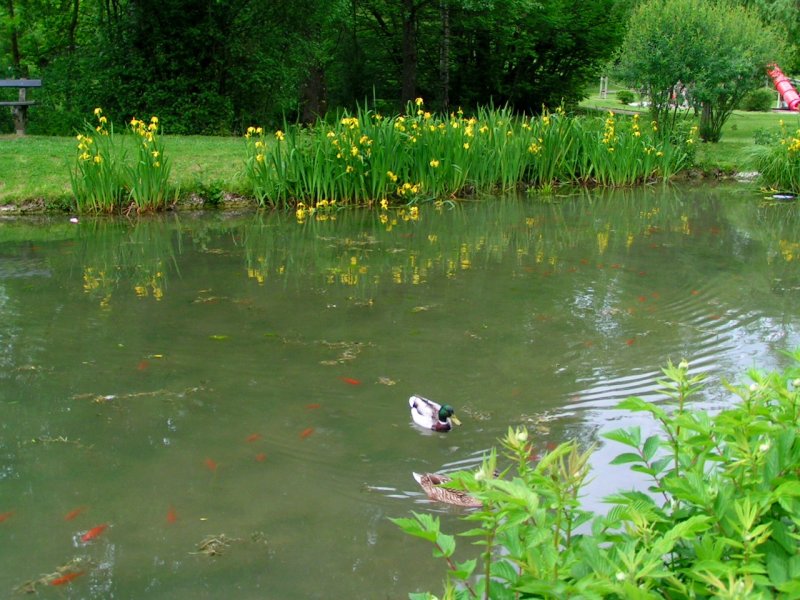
(74, 513)
(253, 437)
(66, 578)
(695, 292)
(172, 516)
(642, 298)
(93, 533)
(313, 406)
(261, 457)
(350, 380)
(306, 432)
(630, 341)
(6, 515)
(211, 465)
(143, 365)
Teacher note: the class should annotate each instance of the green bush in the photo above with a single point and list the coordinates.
(720, 518)
(625, 96)
(760, 100)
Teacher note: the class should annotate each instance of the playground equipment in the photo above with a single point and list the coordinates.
(785, 88)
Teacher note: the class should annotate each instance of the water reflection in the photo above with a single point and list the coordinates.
(188, 377)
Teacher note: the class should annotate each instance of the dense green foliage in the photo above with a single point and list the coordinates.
(696, 55)
(104, 180)
(219, 66)
(778, 161)
(761, 100)
(371, 159)
(720, 517)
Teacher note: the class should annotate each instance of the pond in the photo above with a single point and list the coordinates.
(199, 406)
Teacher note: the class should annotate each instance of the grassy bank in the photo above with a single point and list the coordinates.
(732, 152)
(36, 168)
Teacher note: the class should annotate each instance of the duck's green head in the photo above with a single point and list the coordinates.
(448, 412)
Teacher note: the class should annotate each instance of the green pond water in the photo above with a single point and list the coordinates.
(189, 380)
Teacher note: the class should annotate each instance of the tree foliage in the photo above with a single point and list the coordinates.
(709, 54)
(216, 66)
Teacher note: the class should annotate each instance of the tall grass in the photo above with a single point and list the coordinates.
(779, 164)
(365, 158)
(149, 175)
(103, 181)
(96, 179)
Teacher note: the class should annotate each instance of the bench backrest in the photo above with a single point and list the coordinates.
(20, 83)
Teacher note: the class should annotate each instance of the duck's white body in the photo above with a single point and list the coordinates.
(430, 415)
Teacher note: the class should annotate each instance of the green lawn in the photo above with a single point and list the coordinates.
(738, 135)
(37, 167)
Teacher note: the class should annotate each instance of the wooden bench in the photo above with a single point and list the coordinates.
(19, 108)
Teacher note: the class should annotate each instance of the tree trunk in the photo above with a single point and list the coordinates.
(444, 55)
(709, 132)
(16, 59)
(73, 25)
(409, 81)
(313, 94)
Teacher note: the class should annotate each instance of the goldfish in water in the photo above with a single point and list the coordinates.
(93, 533)
(306, 432)
(74, 513)
(350, 380)
(172, 515)
(211, 465)
(6, 515)
(253, 437)
(66, 578)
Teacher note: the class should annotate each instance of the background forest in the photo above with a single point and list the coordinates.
(218, 66)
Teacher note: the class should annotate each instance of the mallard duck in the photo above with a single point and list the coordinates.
(432, 484)
(430, 415)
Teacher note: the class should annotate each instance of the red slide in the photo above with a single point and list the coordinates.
(785, 88)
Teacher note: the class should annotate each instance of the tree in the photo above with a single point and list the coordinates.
(708, 53)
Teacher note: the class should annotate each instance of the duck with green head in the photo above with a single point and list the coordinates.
(430, 415)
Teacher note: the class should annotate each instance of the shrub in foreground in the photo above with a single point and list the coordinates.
(719, 518)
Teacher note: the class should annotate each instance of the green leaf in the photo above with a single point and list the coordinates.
(465, 569)
(446, 544)
(650, 447)
(777, 568)
(629, 437)
(425, 526)
(626, 457)
(636, 404)
(505, 570)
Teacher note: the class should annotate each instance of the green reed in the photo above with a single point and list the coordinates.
(103, 181)
(621, 152)
(149, 176)
(779, 164)
(96, 178)
(365, 158)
